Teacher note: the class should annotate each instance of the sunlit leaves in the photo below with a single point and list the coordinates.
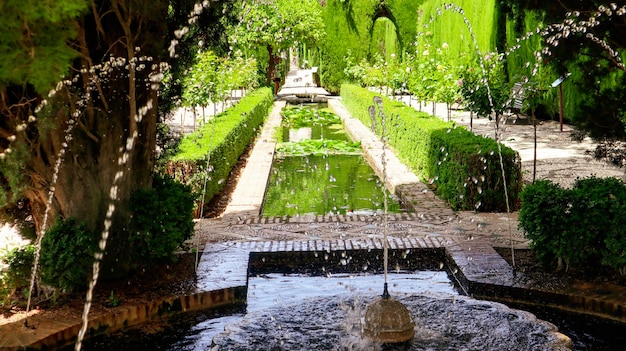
(212, 78)
(278, 23)
(34, 41)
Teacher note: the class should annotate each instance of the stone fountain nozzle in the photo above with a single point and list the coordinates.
(388, 321)
(385, 294)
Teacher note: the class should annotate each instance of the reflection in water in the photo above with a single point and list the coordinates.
(334, 184)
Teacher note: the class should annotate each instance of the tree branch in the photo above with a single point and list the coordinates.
(126, 22)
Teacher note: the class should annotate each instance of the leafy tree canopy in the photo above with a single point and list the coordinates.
(279, 23)
(33, 41)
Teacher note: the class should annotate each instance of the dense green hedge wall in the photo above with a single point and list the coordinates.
(449, 26)
(464, 168)
(219, 143)
(579, 228)
(496, 26)
(349, 26)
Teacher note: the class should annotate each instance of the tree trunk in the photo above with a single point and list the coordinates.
(534, 121)
(106, 113)
(271, 66)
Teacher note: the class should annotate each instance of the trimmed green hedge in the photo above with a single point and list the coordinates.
(220, 142)
(462, 167)
(581, 227)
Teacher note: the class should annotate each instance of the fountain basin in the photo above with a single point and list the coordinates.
(226, 265)
(444, 323)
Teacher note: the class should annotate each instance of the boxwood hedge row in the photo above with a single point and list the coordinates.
(463, 168)
(216, 146)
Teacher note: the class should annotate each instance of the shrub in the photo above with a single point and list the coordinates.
(217, 146)
(19, 268)
(542, 218)
(67, 255)
(579, 228)
(162, 219)
(602, 214)
(463, 168)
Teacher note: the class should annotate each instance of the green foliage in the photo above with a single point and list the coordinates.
(347, 26)
(464, 168)
(162, 220)
(592, 95)
(200, 85)
(542, 218)
(384, 39)
(67, 255)
(350, 29)
(34, 41)
(318, 147)
(297, 117)
(207, 33)
(580, 228)
(279, 24)
(523, 65)
(11, 169)
(447, 24)
(113, 301)
(211, 79)
(217, 145)
(19, 263)
(484, 87)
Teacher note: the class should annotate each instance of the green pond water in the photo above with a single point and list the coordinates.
(334, 184)
(319, 171)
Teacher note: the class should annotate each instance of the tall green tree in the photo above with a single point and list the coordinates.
(100, 118)
(79, 89)
(278, 25)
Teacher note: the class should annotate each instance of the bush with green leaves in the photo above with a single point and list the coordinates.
(162, 220)
(463, 168)
(18, 270)
(542, 217)
(579, 228)
(67, 255)
(298, 117)
(484, 87)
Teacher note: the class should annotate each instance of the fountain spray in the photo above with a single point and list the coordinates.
(387, 320)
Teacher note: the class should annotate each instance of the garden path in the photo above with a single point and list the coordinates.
(558, 158)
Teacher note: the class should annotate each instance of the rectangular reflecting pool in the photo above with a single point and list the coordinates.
(318, 170)
(321, 185)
